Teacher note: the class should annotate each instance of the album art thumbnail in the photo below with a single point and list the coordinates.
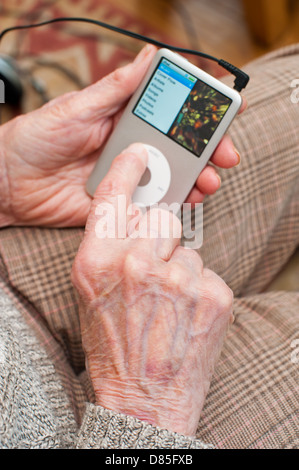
(199, 117)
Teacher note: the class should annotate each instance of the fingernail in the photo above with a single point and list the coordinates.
(139, 150)
(219, 180)
(142, 54)
(237, 156)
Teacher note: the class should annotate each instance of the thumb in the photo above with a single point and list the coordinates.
(114, 193)
(110, 93)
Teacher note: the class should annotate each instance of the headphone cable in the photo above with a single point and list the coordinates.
(241, 78)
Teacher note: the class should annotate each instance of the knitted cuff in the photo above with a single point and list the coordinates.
(106, 429)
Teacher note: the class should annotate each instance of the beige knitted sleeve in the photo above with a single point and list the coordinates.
(105, 429)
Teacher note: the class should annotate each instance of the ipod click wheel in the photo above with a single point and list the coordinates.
(155, 181)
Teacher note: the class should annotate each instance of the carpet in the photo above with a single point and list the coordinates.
(58, 58)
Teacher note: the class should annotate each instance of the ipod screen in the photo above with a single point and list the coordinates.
(181, 106)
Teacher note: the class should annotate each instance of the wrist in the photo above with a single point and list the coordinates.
(161, 413)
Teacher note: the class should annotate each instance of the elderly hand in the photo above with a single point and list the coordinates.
(47, 155)
(152, 318)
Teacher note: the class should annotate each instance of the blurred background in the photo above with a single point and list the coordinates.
(49, 61)
(57, 58)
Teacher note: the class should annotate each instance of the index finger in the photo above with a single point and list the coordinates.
(114, 193)
(244, 105)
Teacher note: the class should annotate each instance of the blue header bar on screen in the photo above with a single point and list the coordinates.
(177, 74)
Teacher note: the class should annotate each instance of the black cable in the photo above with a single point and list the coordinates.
(29, 17)
(67, 72)
(241, 80)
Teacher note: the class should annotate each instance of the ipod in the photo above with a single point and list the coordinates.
(180, 113)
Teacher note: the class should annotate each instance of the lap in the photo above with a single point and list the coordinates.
(251, 228)
(253, 399)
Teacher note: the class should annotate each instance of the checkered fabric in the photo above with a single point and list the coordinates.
(251, 228)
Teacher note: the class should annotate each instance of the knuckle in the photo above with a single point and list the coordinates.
(136, 265)
(226, 299)
(178, 276)
(118, 76)
(107, 188)
(89, 274)
(82, 268)
(220, 292)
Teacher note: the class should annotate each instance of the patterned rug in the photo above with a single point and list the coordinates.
(62, 57)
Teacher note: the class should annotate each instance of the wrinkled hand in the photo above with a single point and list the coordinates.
(47, 155)
(152, 318)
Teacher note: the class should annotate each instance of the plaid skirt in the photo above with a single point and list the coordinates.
(251, 229)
